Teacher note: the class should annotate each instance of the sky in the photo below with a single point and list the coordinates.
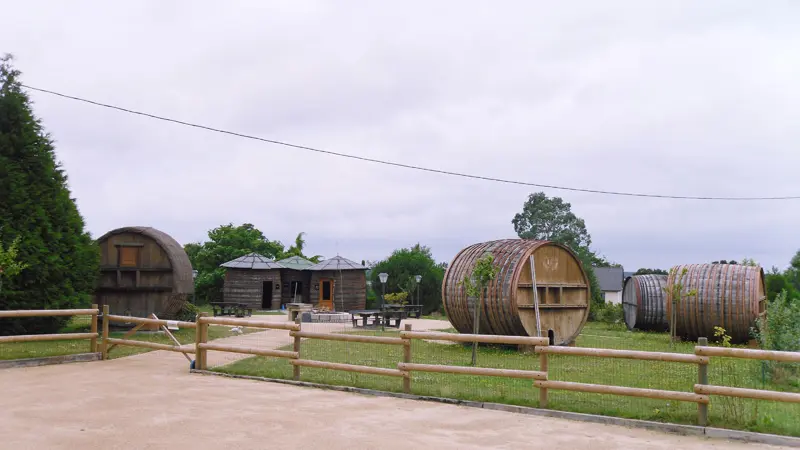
(678, 98)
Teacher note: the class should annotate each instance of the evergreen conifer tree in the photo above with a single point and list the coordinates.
(61, 259)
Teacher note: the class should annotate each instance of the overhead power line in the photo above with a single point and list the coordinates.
(408, 166)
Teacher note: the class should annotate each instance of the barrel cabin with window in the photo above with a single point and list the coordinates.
(143, 271)
(260, 283)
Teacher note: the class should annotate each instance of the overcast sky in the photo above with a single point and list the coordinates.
(678, 97)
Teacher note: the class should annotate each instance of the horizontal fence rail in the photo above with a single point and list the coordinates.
(349, 368)
(769, 355)
(622, 390)
(483, 338)
(466, 370)
(249, 350)
(49, 313)
(47, 337)
(349, 338)
(624, 354)
(756, 394)
(148, 321)
(92, 336)
(152, 345)
(248, 323)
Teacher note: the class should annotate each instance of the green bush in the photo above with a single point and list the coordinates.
(606, 313)
(188, 313)
(779, 330)
(397, 298)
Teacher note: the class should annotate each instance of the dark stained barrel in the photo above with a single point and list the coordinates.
(508, 309)
(730, 296)
(644, 302)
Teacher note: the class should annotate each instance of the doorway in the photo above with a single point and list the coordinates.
(266, 295)
(326, 293)
(296, 291)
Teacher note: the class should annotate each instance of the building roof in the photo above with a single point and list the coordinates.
(296, 263)
(178, 259)
(337, 263)
(252, 261)
(609, 278)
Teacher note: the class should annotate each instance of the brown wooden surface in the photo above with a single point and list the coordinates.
(644, 302)
(624, 354)
(47, 337)
(93, 330)
(349, 368)
(620, 390)
(348, 338)
(484, 338)
(249, 350)
(47, 312)
(153, 345)
(247, 286)
(466, 370)
(769, 355)
(350, 289)
(728, 295)
(148, 321)
(561, 283)
(143, 271)
(758, 394)
(250, 323)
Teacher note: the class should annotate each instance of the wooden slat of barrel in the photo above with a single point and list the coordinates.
(728, 295)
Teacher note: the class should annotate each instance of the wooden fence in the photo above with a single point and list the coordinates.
(91, 336)
(703, 353)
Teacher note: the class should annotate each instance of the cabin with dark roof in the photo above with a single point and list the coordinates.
(336, 284)
(254, 280)
(143, 271)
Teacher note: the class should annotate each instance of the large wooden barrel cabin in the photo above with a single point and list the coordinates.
(528, 271)
(143, 271)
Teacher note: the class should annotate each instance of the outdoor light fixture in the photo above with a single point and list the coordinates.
(418, 278)
(383, 276)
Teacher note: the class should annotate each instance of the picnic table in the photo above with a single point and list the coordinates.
(379, 316)
(231, 309)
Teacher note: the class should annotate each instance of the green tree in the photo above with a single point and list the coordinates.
(552, 219)
(402, 266)
(61, 260)
(297, 249)
(644, 271)
(225, 243)
(475, 284)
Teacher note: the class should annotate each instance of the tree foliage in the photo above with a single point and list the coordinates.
(228, 242)
(59, 258)
(10, 266)
(552, 219)
(402, 266)
(645, 271)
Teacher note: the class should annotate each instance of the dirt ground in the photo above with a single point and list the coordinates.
(150, 401)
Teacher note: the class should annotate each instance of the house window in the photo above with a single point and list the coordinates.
(128, 256)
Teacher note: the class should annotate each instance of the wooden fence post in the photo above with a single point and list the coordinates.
(93, 341)
(543, 391)
(295, 367)
(407, 359)
(201, 337)
(702, 378)
(104, 344)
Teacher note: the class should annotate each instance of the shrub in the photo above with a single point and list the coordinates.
(606, 312)
(188, 313)
(779, 330)
(398, 298)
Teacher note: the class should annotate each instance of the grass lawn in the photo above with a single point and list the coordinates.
(22, 350)
(762, 416)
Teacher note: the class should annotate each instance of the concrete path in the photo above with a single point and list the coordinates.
(150, 401)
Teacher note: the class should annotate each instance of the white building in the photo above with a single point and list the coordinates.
(610, 280)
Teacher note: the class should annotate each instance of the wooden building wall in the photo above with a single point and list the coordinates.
(287, 294)
(350, 288)
(246, 286)
(136, 277)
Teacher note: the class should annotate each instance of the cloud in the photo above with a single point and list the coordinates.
(679, 98)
